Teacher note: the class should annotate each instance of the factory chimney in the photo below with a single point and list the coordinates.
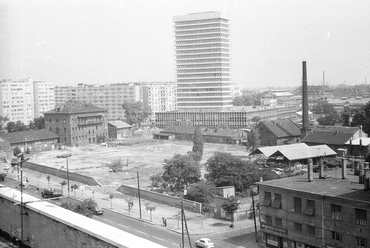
(305, 126)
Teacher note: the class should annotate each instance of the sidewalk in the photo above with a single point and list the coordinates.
(197, 224)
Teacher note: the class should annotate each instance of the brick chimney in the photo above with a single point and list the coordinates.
(305, 127)
(344, 168)
(310, 170)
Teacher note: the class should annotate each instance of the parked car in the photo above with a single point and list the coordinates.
(50, 193)
(204, 242)
(97, 211)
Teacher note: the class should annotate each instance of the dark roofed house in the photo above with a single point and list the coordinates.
(32, 140)
(279, 132)
(335, 137)
(119, 130)
(78, 124)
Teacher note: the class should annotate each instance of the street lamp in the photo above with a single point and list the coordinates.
(66, 156)
(19, 162)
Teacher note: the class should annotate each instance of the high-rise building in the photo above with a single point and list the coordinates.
(202, 53)
(25, 99)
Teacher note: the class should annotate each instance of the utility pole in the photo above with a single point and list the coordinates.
(182, 226)
(66, 156)
(138, 188)
(254, 217)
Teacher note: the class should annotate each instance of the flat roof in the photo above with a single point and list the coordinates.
(335, 186)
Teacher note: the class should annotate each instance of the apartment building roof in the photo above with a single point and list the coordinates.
(75, 108)
(333, 135)
(349, 189)
(26, 136)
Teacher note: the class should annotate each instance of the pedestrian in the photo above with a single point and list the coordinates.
(165, 222)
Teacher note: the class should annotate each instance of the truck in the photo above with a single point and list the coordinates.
(50, 193)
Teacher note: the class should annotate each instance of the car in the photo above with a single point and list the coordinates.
(50, 193)
(97, 211)
(204, 242)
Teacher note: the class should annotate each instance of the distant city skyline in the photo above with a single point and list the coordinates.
(70, 42)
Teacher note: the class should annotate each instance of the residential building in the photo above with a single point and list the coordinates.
(336, 137)
(279, 132)
(159, 96)
(109, 96)
(202, 53)
(78, 124)
(25, 99)
(31, 140)
(313, 210)
(43, 93)
(119, 130)
(237, 117)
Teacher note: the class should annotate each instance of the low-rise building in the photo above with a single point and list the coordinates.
(313, 210)
(279, 132)
(119, 130)
(78, 124)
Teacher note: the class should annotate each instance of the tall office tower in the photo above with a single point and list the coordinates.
(109, 96)
(202, 47)
(16, 100)
(159, 96)
(43, 97)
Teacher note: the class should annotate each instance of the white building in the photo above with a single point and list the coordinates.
(202, 53)
(159, 96)
(109, 96)
(25, 99)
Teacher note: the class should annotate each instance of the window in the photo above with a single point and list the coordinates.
(268, 219)
(311, 230)
(336, 212)
(362, 242)
(310, 207)
(267, 199)
(336, 235)
(277, 201)
(297, 205)
(278, 222)
(298, 227)
(360, 217)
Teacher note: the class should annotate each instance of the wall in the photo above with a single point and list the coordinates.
(61, 173)
(192, 206)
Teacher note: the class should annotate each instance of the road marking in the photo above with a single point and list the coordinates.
(123, 225)
(108, 220)
(175, 244)
(140, 232)
(158, 238)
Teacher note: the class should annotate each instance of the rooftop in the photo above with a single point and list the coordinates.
(75, 108)
(334, 186)
(30, 135)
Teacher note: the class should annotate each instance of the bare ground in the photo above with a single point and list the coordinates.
(141, 154)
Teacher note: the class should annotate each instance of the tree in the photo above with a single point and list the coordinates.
(62, 184)
(74, 187)
(224, 169)
(150, 208)
(202, 192)
(37, 123)
(130, 204)
(16, 126)
(361, 117)
(157, 180)
(180, 171)
(253, 139)
(135, 112)
(85, 208)
(111, 196)
(3, 119)
(328, 115)
(48, 178)
(256, 119)
(17, 151)
(198, 144)
(230, 206)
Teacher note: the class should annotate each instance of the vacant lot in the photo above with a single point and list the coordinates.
(143, 155)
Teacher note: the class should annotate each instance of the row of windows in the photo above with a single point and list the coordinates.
(203, 85)
(202, 56)
(198, 37)
(209, 65)
(202, 61)
(205, 21)
(203, 80)
(206, 51)
(202, 90)
(201, 31)
(204, 75)
(203, 41)
(205, 70)
(215, 25)
(196, 47)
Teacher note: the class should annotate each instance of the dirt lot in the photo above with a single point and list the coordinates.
(143, 155)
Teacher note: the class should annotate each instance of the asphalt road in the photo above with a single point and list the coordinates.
(229, 239)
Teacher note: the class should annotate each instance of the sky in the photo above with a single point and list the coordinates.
(116, 41)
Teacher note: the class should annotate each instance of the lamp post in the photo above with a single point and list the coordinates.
(66, 156)
(138, 188)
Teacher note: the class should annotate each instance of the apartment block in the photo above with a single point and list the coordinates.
(109, 96)
(202, 56)
(159, 96)
(25, 99)
(328, 209)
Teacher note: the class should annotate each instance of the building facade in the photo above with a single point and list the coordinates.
(109, 96)
(238, 117)
(280, 132)
(159, 96)
(202, 54)
(313, 211)
(25, 99)
(78, 124)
